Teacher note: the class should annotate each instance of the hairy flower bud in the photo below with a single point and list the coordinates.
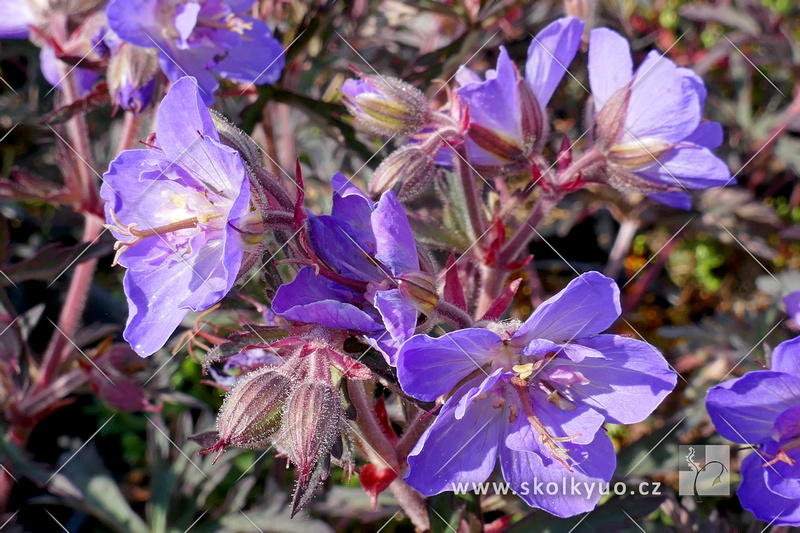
(411, 164)
(132, 76)
(386, 105)
(252, 410)
(419, 289)
(311, 425)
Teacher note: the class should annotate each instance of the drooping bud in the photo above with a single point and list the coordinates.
(132, 76)
(611, 118)
(533, 123)
(252, 410)
(411, 164)
(386, 105)
(311, 426)
(638, 152)
(419, 289)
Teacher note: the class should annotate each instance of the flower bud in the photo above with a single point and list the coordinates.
(251, 412)
(386, 105)
(132, 76)
(411, 164)
(533, 123)
(311, 426)
(419, 289)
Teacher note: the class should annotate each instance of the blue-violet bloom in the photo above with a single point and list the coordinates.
(506, 112)
(762, 408)
(649, 123)
(175, 210)
(370, 248)
(201, 38)
(536, 394)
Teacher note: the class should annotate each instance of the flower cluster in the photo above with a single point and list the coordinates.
(196, 210)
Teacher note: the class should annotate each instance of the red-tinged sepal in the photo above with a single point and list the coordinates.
(350, 368)
(453, 290)
(498, 526)
(375, 479)
(503, 301)
(496, 237)
(383, 420)
(564, 154)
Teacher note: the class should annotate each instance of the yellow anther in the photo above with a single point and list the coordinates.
(523, 371)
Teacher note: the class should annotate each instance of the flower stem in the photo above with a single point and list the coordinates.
(493, 278)
(472, 195)
(129, 128)
(71, 311)
(379, 450)
(370, 429)
(627, 231)
(412, 503)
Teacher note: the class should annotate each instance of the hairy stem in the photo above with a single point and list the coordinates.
(412, 503)
(379, 450)
(369, 428)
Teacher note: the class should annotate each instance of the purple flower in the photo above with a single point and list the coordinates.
(649, 123)
(201, 39)
(506, 121)
(366, 248)
(536, 394)
(175, 210)
(762, 408)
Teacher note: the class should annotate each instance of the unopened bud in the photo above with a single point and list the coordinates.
(132, 76)
(533, 123)
(312, 425)
(419, 289)
(252, 410)
(411, 164)
(637, 153)
(386, 105)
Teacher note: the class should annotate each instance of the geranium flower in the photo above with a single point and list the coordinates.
(200, 39)
(506, 111)
(649, 124)
(762, 408)
(367, 248)
(536, 394)
(176, 210)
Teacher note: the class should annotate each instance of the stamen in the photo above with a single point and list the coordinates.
(138, 235)
(550, 442)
